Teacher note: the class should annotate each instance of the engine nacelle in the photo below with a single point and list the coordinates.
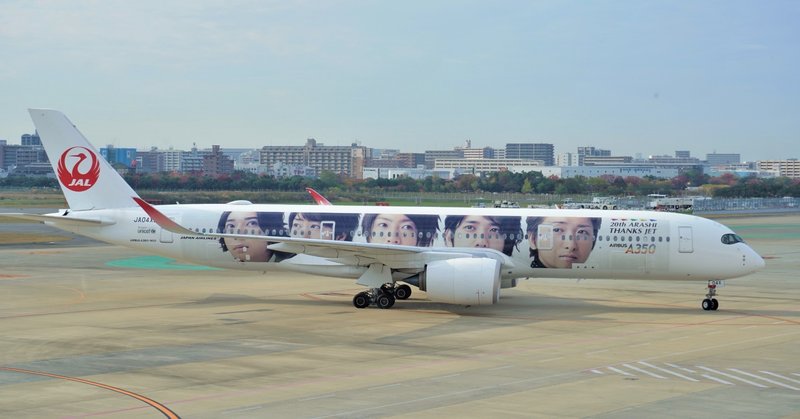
(467, 281)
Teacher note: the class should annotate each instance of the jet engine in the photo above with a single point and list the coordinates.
(467, 281)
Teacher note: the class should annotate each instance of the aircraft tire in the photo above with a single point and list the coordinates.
(402, 292)
(385, 301)
(714, 304)
(707, 304)
(361, 300)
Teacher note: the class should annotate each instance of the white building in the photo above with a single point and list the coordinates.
(417, 173)
(789, 168)
(477, 166)
(598, 171)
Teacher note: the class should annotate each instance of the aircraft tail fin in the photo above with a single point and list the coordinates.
(87, 180)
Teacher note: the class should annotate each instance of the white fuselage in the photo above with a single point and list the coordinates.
(538, 242)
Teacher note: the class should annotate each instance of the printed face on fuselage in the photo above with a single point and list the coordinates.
(393, 229)
(478, 231)
(304, 228)
(246, 250)
(572, 242)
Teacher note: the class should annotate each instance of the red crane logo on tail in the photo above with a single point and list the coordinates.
(70, 165)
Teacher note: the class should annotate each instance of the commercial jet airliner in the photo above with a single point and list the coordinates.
(457, 255)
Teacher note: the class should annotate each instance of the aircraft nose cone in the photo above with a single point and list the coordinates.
(755, 261)
(759, 262)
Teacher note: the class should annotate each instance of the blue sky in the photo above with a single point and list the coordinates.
(645, 77)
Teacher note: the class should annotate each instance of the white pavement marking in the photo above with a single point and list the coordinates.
(794, 373)
(679, 338)
(629, 366)
(243, 409)
(597, 372)
(551, 359)
(668, 371)
(500, 368)
(679, 367)
(619, 371)
(324, 396)
(444, 377)
(384, 386)
(748, 327)
(719, 380)
(596, 352)
(781, 377)
(732, 376)
(764, 379)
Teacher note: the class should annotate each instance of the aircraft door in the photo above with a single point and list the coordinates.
(685, 239)
(327, 230)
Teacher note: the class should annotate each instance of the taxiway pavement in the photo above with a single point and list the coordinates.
(85, 332)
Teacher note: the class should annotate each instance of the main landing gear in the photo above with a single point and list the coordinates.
(710, 303)
(383, 297)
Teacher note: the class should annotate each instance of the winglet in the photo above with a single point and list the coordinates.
(318, 198)
(162, 220)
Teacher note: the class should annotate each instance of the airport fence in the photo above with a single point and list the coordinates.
(746, 205)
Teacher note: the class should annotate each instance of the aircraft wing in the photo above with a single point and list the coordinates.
(345, 252)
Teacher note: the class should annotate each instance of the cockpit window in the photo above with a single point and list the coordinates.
(731, 238)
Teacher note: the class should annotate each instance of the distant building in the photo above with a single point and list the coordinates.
(31, 140)
(479, 166)
(15, 158)
(718, 159)
(281, 170)
(192, 161)
(336, 159)
(740, 170)
(217, 163)
(358, 159)
(784, 168)
(606, 160)
(531, 151)
(173, 160)
(119, 156)
(385, 163)
(683, 154)
(432, 155)
(3, 167)
(382, 153)
(670, 160)
(632, 170)
(478, 153)
(567, 159)
(591, 151)
(413, 173)
(149, 161)
(411, 160)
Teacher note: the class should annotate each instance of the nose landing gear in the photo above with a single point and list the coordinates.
(710, 303)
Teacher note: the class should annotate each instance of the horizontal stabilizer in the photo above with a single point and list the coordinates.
(60, 220)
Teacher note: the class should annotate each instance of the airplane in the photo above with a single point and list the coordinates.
(461, 256)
